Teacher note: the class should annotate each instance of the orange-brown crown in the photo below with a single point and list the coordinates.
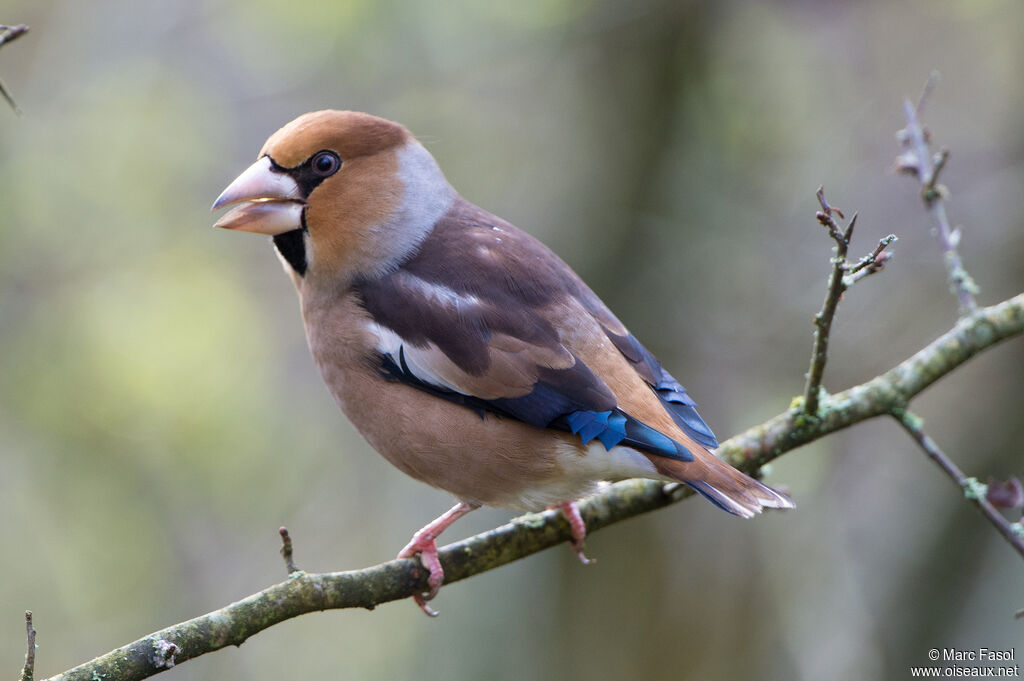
(349, 133)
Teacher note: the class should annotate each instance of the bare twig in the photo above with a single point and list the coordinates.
(286, 550)
(882, 394)
(917, 160)
(823, 320)
(871, 263)
(399, 579)
(29, 670)
(973, 490)
(926, 91)
(10, 34)
(843, 276)
(6, 94)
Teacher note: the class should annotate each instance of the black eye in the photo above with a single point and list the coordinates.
(325, 163)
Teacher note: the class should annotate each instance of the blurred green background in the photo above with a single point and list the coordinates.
(160, 416)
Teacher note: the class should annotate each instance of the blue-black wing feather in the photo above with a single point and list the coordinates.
(549, 405)
(672, 394)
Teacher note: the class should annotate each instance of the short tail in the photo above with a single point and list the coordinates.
(723, 485)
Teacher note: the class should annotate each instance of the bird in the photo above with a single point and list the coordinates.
(460, 347)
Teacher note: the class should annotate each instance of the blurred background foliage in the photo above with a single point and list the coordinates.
(160, 415)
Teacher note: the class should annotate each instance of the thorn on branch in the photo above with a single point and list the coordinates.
(29, 670)
(286, 550)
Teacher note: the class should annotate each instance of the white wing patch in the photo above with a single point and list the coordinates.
(393, 346)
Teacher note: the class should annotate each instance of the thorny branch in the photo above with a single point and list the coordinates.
(917, 160)
(842, 277)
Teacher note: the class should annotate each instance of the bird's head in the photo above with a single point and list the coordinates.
(344, 194)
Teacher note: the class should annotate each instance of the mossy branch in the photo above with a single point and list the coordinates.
(306, 592)
(883, 394)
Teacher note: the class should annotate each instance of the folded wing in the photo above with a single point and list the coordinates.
(486, 316)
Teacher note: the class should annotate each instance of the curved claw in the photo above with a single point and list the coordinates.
(426, 549)
(421, 600)
(578, 550)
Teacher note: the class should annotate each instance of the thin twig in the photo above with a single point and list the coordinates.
(308, 592)
(29, 670)
(823, 320)
(871, 263)
(286, 550)
(878, 397)
(10, 34)
(6, 94)
(917, 160)
(926, 92)
(972, 489)
(842, 276)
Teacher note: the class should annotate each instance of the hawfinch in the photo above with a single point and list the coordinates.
(465, 351)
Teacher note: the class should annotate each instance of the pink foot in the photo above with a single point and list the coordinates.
(424, 544)
(579, 529)
(427, 550)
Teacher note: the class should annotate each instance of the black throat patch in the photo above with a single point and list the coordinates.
(292, 247)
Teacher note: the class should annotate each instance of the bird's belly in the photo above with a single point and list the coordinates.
(486, 459)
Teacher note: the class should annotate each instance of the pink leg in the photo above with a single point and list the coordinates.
(424, 544)
(579, 529)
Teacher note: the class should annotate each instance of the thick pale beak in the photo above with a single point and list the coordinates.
(274, 202)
